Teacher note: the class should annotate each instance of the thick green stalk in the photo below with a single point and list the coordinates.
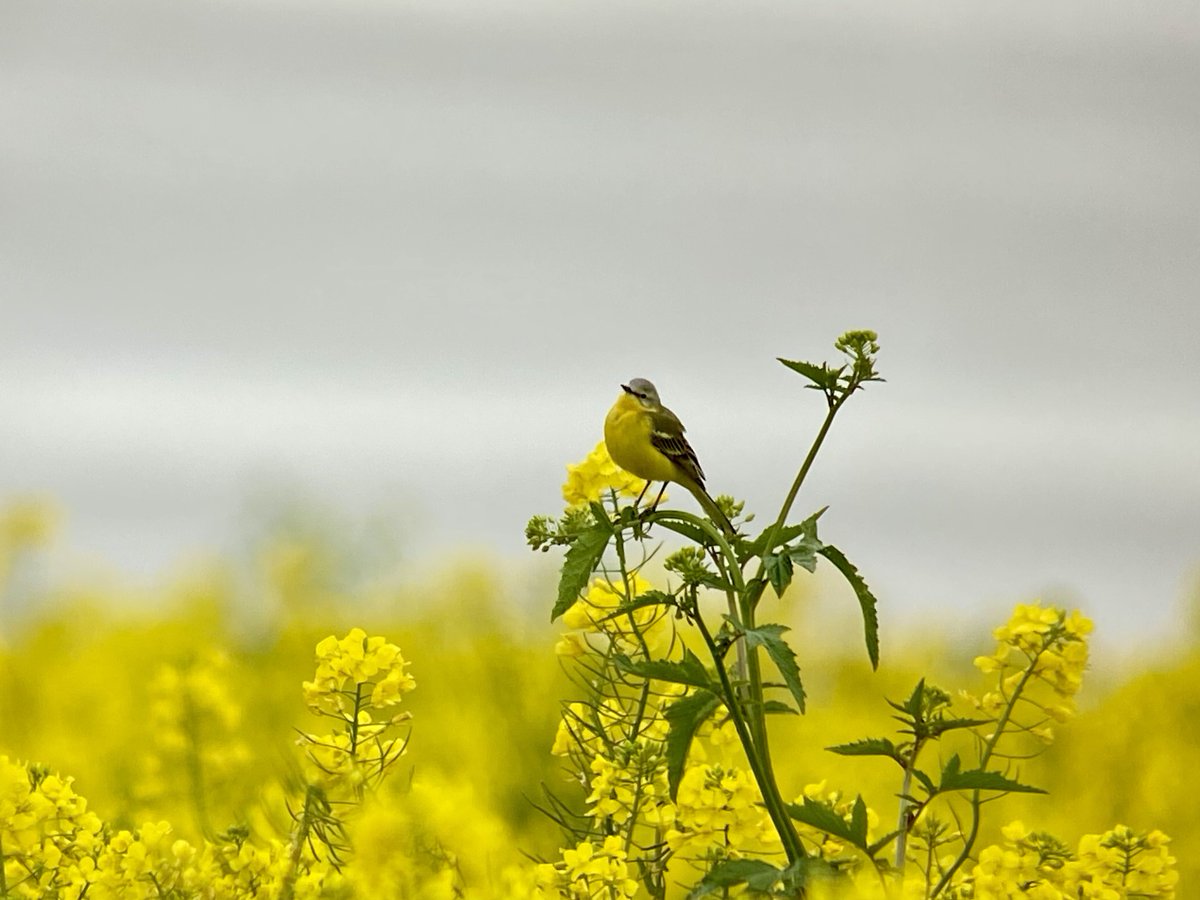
(763, 775)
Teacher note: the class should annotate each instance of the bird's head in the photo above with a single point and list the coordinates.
(643, 390)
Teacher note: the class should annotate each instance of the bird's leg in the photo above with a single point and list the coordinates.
(639, 531)
(638, 501)
(661, 491)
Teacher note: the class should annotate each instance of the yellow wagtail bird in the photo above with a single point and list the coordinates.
(646, 439)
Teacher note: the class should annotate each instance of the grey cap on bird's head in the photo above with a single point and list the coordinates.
(643, 390)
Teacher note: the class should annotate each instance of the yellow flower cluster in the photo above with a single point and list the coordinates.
(355, 675)
(594, 614)
(48, 836)
(1054, 642)
(720, 809)
(1039, 646)
(1117, 865)
(53, 846)
(588, 872)
(596, 476)
(356, 672)
(1139, 864)
(633, 789)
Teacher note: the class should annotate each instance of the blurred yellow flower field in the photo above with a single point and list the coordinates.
(344, 749)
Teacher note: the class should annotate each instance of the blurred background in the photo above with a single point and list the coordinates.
(305, 307)
(390, 261)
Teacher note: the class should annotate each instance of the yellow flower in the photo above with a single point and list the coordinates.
(571, 645)
(595, 476)
(595, 613)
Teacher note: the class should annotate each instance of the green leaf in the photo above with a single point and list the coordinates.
(822, 377)
(926, 781)
(954, 778)
(770, 638)
(779, 571)
(650, 598)
(866, 599)
(869, 747)
(689, 671)
(941, 726)
(858, 822)
(882, 842)
(756, 874)
(579, 563)
(759, 545)
(683, 717)
(778, 707)
(693, 533)
(825, 818)
(805, 553)
(914, 705)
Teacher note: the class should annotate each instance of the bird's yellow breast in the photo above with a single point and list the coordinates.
(627, 434)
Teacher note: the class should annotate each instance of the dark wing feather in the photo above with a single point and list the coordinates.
(666, 434)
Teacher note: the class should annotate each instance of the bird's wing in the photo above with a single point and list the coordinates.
(666, 434)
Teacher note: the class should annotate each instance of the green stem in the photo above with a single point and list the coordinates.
(753, 735)
(754, 691)
(758, 581)
(300, 832)
(760, 768)
(902, 823)
(984, 757)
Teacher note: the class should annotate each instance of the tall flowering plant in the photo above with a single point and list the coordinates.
(669, 742)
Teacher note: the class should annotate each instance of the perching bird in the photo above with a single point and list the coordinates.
(646, 439)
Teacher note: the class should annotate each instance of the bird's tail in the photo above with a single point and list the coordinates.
(710, 507)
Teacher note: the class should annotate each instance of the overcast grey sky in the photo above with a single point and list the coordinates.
(400, 255)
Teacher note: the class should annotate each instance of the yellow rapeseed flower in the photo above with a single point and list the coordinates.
(593, 478)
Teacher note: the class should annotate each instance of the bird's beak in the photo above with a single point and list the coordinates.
(626, 389)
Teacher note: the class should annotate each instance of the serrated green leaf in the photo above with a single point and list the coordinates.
(788, 532)
(882, 842)
(688, 671)
(866, 600)
(683, 717)
(941, 726)
(579, 563)
(925, 781)
(693, 533)
(869, 747)
(779, 571)
(858, 822)
(756, 874)
(769, 637)
(825, 818)
(955, 778)
(916, 700)
(821, 376)
(804, 554)
(778, 707)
